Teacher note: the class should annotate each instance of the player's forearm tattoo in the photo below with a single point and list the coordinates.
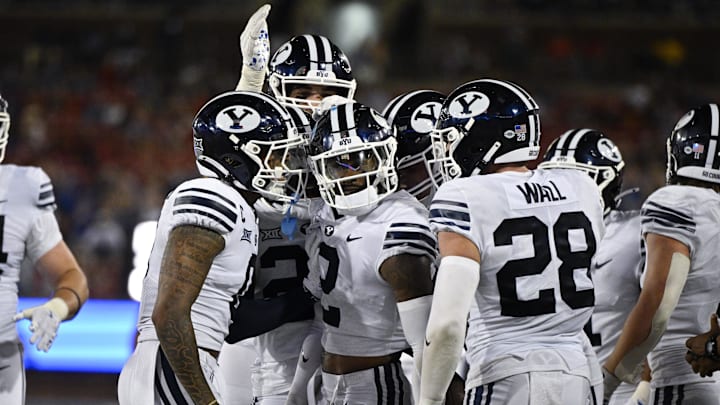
(186, 262)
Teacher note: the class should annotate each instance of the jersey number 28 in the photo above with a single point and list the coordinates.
(510, 303)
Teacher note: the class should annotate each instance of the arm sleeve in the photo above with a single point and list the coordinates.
(457, 281)
(310, 360)
(255, 317)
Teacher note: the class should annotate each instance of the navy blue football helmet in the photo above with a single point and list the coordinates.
(589, 150)
(352, 155)
(693, 147)
(485, 122)
(4, 127)
(414, 115)
(308, 60)
(248, 140)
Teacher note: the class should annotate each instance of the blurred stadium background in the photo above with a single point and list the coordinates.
(102, 94)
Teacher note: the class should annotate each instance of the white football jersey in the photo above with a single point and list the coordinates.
(212, 204)
(359, 307)
(536, 232)
(28, 230)
(690, 215)
(616, 270)
(282, 265)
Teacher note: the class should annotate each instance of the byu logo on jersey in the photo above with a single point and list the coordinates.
(329, 230)
(237, 119)
(469, 104)
(608, 149)
(424, 117)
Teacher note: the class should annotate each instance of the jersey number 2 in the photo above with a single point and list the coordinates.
(510, 303)
(331, 315)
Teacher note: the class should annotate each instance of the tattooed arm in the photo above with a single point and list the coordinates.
(187, 259)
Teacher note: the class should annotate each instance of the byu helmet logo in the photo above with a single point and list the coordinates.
(608, 149)
(469, 104)
(237, 119)
(685, 119)
(424, 117)
(282, 54)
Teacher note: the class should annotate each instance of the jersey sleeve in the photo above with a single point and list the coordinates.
(406, 237)
(39, 186)
(44, 235)
(668, 214)
(449, 211)
(206, 203)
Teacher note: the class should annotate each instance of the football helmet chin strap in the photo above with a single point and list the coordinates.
(356, 204)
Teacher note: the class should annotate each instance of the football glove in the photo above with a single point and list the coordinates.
(327, 103)
(44, 322)
(610, 384)
(254, 46)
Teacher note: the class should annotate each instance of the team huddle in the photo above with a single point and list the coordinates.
(411, 256)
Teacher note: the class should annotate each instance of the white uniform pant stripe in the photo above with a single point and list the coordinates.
(167, 385)
(670, 395)
(389, 384)
(475, 397)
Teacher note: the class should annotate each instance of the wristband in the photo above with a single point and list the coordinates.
(77, 296)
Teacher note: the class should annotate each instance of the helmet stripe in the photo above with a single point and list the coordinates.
(561, 142)
(712, 161)
(325, 53)
(522, 94)
(576, 138)
(394, 106)
(350, 118)
(313, 51)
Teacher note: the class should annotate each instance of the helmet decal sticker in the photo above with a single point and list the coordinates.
(469, 104)
(424, 117)
(685, 119)
(237, 119)
(608, 150)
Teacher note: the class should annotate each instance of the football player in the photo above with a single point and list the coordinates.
(414, 114)
(205, 248)
(303, 71)
(679, 293)
(309, 68)
(516, 247)
(617, 265)
(371, 256)
(281, 268)
(29, 231)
